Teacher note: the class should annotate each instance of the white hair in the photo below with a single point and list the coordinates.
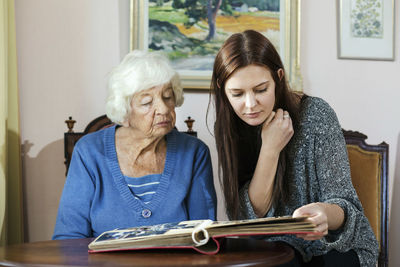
(138, 71)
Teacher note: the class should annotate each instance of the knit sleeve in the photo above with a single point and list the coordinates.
(246, 208)
(335, 186)
(73, 219)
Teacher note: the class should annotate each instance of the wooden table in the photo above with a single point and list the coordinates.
(234, 252)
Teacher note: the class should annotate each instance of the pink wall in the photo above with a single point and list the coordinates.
(66, 48)
(364, 93)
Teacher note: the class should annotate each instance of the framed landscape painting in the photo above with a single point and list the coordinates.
(190, 32)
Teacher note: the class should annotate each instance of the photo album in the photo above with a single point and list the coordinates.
(201, 235)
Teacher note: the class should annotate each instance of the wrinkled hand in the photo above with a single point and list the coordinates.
(318, 216)
(277, 131)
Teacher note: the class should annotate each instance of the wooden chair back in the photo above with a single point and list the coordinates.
(369, 174)
(71, 137)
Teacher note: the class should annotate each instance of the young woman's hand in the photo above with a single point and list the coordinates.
(276, 131)
(325, 216)
(317, 216)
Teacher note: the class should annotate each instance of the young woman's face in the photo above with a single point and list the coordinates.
(251, 92)
(153, 111)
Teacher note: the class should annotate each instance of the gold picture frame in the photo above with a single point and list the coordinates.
(289, 20)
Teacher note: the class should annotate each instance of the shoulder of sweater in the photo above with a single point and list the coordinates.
(97, 138)
(316, 110)
(313, 104)
(93, 139)
(316, 118)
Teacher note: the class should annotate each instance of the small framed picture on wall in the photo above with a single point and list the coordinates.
(365, 29)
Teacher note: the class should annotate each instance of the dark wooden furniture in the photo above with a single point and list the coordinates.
(234, 252)
(71, 137)
(369, 174)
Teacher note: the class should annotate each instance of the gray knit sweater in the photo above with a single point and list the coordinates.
(318, 170)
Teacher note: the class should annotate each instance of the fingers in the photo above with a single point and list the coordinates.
(286, 115)
(317, 216)
(321, 230)
(270, 118)
(283, 118)
(287, 120)
(279, 113)
(299, 212)
(276, 131)
(282, 114)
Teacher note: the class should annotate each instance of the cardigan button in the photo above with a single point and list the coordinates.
(146, 213)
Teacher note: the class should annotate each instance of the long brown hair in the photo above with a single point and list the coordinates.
(238, 144)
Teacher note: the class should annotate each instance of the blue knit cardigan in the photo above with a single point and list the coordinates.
(96, 197)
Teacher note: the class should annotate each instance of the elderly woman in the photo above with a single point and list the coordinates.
(141, 171)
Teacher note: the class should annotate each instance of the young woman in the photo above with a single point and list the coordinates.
(283, 153)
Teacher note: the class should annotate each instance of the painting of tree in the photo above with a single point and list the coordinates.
(190, 32)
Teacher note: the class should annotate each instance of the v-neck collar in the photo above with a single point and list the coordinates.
(119, 179)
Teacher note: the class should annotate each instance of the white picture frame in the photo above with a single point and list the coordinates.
(365, 29)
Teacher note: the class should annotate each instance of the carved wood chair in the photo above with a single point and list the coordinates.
(369, 174)
(71, 137)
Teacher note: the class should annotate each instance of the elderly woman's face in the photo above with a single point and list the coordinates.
(153, 111)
